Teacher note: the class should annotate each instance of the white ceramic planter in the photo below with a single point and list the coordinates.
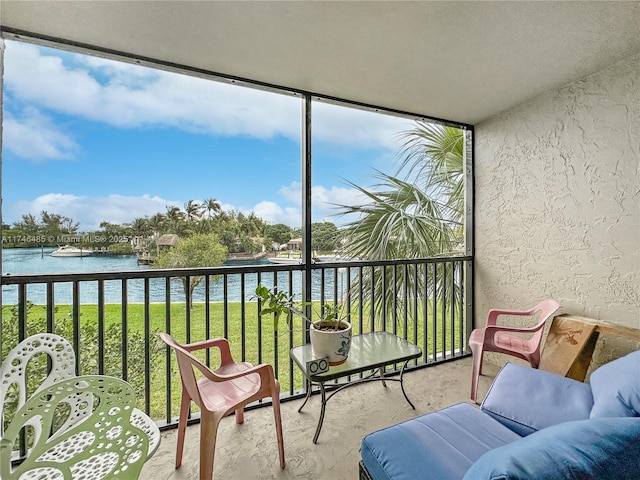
(333, 344)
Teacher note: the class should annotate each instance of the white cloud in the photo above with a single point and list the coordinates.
(353, 127)
(90, 211)
(36, 137)
(227, 207)
(321, 195)
(130, 96)
(292, 193)
(126, 95)
(273, 213)
(323, 200)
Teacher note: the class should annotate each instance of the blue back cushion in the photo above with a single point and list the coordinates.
(616, 388)
(597, 449)
(526, 399)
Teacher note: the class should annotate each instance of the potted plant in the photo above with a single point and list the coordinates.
(330, 334)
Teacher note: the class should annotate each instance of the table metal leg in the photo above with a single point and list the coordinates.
(381, 369)
(322, 409)
(309, 385)
(402, 385)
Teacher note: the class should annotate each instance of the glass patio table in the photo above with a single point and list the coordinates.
(369, 351)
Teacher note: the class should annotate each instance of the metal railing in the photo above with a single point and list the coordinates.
(112, 318)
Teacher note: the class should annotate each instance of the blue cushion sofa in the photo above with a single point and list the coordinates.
(531, 425)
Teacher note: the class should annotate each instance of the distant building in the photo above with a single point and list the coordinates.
(295, 244)
(167, 240)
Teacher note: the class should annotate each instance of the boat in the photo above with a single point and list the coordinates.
(295, 260)
(69, 251)
(287, 258)
(327, 258)
(333, 258)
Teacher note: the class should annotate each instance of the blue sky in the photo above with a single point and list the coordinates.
(98, 140)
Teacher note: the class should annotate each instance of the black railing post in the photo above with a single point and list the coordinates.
(259, 320)
(147, 348)
(76, 324)
(243, 320)
(100, 327)
(167, 349)
(124, 330)
(50, 310)
(207, 316)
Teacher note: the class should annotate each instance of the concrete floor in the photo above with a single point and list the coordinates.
(249, 451)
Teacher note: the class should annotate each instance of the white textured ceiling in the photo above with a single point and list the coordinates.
(459, 61)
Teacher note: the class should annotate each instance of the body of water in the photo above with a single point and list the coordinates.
(31, 261)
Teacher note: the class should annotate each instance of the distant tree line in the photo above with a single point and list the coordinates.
(236, 231)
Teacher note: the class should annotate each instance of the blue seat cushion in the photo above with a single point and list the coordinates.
(527, 400)
(616, 388)
(441, 445)
(595, 449)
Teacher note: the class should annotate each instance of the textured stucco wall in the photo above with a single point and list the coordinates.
(558, 200)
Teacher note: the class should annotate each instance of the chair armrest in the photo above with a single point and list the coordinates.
(500, 328)
(220, 343)
(491, 330)
(264, 370)
(493, 314)
(526, 399)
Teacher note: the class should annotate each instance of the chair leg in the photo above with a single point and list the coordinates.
(476, 371)
(240, 415)
(275, 397)
(534, 359)
(208, 432)
(182, 426)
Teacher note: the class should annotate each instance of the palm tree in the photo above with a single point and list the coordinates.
(417, 213)
(192, 210)
(175, 220)
(254, 225)
(140, 226)
(140, 231)
(173, 214)
(212, 207)
(157, 224)
(421, 214)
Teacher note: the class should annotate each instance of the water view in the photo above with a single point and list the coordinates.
(31, 261)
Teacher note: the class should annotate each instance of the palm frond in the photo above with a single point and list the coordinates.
(416, 213)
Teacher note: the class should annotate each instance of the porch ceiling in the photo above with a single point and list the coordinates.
(461, 61)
